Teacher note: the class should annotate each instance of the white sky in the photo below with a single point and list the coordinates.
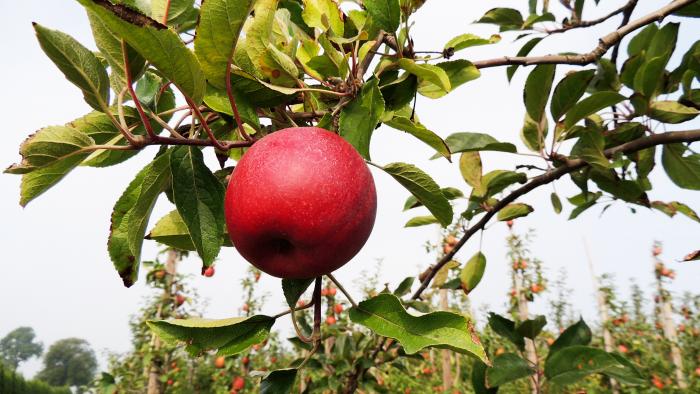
(55, 274)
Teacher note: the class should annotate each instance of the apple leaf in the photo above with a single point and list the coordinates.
(470, 167)
(524, 51)
(506, 368)
(130, 217)
(424, 188)
(531, 328)
(591, 105)
(576, 334)
(110, 47)
(472, 142)
(359, 118)
(180, 12)
(220, 24)
(478, 379)
(80, 66)
(506, 18)
(473, 271)
(294, 288)
(171, 230)
(159, 45)
(463, 41)
(574, 363)
(568, 91)
(385, 13)
(422, 133)
(458, 73)
(385, 315)
(556, 202)
(324, 15)
(280, 381)
(674, 207)
(537, 88)
(450, 193)
(228, 336)
(421, 221)
(672, 112)
(506, 328)
(427, 72)
(199, 197)
(513, 211)
(405, 286)
(684, 171)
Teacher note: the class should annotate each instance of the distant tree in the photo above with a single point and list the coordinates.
(19, 346)
(69, 362)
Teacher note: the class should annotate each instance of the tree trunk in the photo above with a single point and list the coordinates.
(669, 329)
(523, 314)
(447, 379)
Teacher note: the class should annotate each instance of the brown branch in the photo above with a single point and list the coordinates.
(626, 15)
(605, 43)
(134, 97)
(569, 166)
(381, 39)
(582, 24)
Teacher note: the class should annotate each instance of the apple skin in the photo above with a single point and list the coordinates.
(300, 203)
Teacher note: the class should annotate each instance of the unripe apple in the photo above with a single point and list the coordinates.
(238, 383)
(338, 308)
(510, 223)
(656, 251)
(332, 291)
(220, 362)
(170, 382)
(209, 271)
(500, 351)
(160, 274)
(622, 348)
(697, 371)
(451, 240)
(330, 320)
(550, 341)
(301, 203)
(179, 299)
(245, 308)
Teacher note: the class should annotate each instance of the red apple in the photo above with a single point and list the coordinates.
(338, 308)
(220, 362)
(245, 360)
(209, 271)
(170, 382)
(332, 291)
(245, 308)
(238, 383)
(300, 203)
(179, 299)
(330, 320)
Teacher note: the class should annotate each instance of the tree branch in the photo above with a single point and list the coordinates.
(630, 4)
(570, 165)
(605, 43)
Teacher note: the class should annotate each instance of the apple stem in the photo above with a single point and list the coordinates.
(316, 335)
(342, 289)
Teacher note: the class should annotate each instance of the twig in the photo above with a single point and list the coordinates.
(594, 21)
(232, 100)
(568, 166)
(342, 289)
(137, 103)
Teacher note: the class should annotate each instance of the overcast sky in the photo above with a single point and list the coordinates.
(55, 274)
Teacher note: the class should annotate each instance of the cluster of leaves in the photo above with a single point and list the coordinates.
(13, 382)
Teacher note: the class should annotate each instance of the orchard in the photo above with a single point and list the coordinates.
(258, 118)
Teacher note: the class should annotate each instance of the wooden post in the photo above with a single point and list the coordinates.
(447, 379)
(608, 341)
(524, 314)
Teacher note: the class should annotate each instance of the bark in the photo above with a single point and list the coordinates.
(447, 379)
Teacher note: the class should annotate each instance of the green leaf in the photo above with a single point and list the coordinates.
(506, 328)
(385, 315)
(171, 230)
(405, 286)
(478, 379)
(649, 77)
(359, 118)
(513, 211)
(323, 14)
(672, 112)
(506, 18)
(229, 336)
(537, 88)
(495, 182)
(424, 188)
(458, 73)
(463, 41)
(506, 368)
(606, 77)
(576, 334)
(385, 13)
(591, 199)
(427, 72)
(421, 221)
(450, 193)
(691, 10)
(470, 142)
(280, 381)
(100, 127)
(199, 197)
(419, 131)
(674, 207)
(110, 47)
(131, 214)
(524, 51)
(47, 157)
(473, 271)
(80, 66)
(161, 46)
(531, 328)
(591, 105)
(664, 42)
(626, 372)
(568, 91)
(641, 41)
(294, 288)
(220, 25)
(470, 168)
(556, 203)
(590, 148)
(181, 13)
(573, 363)
(218, 100)
(684, 171)
(534, 132)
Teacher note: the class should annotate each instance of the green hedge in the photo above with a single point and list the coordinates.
(14, 383)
